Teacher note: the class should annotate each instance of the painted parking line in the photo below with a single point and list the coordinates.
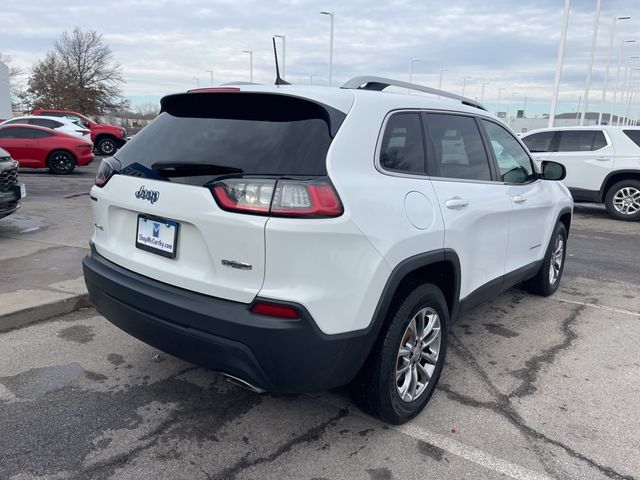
(600, 307)
(470, 453)
(449, 445)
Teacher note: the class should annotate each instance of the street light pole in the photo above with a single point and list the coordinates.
(250, 52)
(311, 79)
(464, 84)
(197, 82)
(411, 62)
(331, 14)
(556, 82)
(606, 72)
(616, 85)
(284, 52)
(594, 39)
(500, 89)
(513, 94)
(482, 92)
(442, 70)
(210, 76)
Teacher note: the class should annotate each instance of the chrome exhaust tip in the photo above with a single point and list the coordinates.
(242, 383)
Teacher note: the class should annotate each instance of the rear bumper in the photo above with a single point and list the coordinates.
(276, 355)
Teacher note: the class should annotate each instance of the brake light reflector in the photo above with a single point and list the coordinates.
(275, 310)
(278, 198)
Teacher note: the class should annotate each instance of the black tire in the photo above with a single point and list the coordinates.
(375, 389)
(543, 284)
(621, 196)
(61, 162)
(106, 146)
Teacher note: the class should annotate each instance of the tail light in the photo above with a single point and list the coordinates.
(278, 198)
(108, 168)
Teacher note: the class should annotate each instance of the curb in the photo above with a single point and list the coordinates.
(45, 311)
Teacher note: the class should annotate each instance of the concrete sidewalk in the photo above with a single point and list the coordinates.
(41, 250)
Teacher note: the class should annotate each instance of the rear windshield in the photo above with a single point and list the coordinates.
(634, 135)
(200, 136)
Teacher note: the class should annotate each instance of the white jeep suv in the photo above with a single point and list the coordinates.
(602, 163)
(297, 239)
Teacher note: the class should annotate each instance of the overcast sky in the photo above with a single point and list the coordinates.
(163, 45)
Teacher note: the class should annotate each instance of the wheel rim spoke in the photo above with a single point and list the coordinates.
(627, 200)
(418, 354)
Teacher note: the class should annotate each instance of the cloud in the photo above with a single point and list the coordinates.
(162, 44)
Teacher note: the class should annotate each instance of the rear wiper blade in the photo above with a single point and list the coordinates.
(185, 169)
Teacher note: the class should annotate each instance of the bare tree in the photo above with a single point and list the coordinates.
(80, 74)
(148, 110)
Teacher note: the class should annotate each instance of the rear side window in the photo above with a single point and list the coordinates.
(458, 148)
(581, 140)
(201, 136)
(45, 122)
(539, 142)
(634, 136)
(402, 147)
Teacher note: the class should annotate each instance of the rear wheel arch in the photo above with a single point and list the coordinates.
(615, 177)
(440, 268)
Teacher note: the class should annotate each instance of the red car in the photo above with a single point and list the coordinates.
(107, 138)
(39, 147)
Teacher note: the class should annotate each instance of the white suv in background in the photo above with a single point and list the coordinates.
(602, 162)
(298, 239)
(63, 125)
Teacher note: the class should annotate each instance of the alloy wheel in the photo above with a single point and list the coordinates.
(626, 201)
(557, 257)
(418, 354)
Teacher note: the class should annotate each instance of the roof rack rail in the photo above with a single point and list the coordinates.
(367, 82)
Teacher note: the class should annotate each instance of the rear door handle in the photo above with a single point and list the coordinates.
(456, 202)
(603, 159)
(519, 199)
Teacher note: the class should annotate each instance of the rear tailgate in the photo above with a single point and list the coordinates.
(206, 236)
(167, 173)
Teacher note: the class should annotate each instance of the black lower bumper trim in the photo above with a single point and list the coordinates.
(269, 353)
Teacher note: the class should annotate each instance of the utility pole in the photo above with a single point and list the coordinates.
(606, 72)
(250, 52)
(594, 38)
(330, 14)
(556, 82)
(211, 76)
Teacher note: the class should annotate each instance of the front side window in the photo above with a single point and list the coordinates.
(581, 140)
(458, 148)
(539, 142)
(403, 145)
(513, 161)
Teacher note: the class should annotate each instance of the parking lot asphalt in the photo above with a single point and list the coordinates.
(533, 387)
(41, 246)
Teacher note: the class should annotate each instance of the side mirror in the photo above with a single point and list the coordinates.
(553, 170)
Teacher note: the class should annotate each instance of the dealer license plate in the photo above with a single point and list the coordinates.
(157, 235)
